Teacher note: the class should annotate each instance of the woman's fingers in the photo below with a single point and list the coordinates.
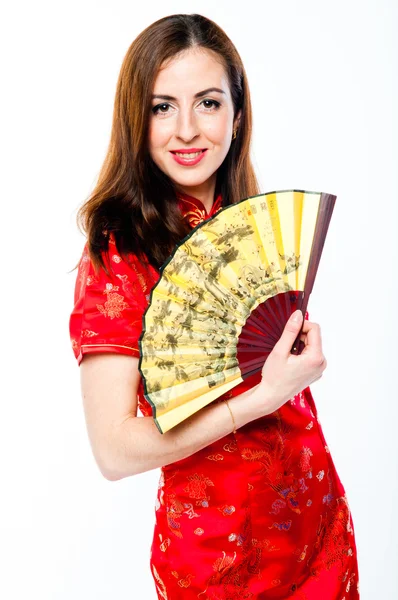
(311, 336)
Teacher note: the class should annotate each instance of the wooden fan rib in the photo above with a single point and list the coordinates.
(265, 312)
(255, 343)
(250, 364)
(245, 338)
(326, 206)
(249, 335)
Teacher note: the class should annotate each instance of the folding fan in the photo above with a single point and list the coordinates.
(224, 296)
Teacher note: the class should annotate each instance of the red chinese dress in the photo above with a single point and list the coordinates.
(257, 515)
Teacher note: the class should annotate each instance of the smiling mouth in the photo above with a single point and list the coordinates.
(189, 154)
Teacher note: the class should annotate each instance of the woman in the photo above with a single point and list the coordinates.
(249, 502)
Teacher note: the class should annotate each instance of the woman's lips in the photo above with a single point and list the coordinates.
(189, 161)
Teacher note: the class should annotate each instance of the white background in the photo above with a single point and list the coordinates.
(323, 79)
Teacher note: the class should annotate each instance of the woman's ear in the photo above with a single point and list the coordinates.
(237, 119)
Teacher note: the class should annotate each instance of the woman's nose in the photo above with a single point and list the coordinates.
(187, 125)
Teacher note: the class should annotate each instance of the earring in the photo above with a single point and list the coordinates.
(234, 134)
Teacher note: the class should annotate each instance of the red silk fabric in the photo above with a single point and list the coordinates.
(257, 515)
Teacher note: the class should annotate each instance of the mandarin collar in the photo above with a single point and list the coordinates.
(194, 210)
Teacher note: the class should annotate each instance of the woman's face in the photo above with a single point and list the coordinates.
(180, 119)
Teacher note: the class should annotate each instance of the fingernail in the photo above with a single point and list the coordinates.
(296, 316)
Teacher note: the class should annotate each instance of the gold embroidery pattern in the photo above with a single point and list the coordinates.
(175, 509)
(195, 216)
(215, 457)
(232, 573)
(196, 488)
(88, 333)
(193, 213)
(230, 447)
(115, 303)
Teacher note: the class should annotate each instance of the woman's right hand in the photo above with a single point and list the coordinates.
(284, 374)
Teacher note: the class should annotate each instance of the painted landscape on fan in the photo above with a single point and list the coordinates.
(223, 298)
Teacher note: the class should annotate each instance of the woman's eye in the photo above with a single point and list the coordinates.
(155, 109)
(214, 102)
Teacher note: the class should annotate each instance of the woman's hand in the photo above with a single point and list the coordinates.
(284, 374)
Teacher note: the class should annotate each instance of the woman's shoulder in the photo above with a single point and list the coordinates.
(124, 272)
(108, 307)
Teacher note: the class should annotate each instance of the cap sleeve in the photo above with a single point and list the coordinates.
(108, 310)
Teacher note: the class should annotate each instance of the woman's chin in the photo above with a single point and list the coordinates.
(189, 182)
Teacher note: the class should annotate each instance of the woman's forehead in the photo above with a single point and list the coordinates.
(190, 69)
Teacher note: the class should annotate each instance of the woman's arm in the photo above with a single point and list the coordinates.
(124, 444)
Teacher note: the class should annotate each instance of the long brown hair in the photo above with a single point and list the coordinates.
(133, 198)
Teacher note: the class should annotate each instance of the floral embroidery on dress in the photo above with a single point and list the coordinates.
(115, 303)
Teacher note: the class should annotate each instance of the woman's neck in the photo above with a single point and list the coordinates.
(204, 194)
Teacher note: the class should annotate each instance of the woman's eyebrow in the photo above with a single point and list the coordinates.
(198, 95)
